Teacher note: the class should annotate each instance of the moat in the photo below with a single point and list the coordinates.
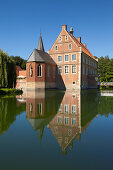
(57, 130)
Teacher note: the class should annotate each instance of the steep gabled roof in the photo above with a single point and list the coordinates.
(40, 44)
(40, 56)
(84, 48)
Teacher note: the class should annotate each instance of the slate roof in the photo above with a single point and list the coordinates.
(40, 56)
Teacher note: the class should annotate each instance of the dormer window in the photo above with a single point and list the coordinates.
(60, 38)
(66, 37)
(56, 47)
(69, 46)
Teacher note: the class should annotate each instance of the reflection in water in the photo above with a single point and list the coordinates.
(66, 125)
(66, 114)
(9, 109)
(41, 106)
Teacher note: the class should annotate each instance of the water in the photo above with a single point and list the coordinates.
(57, 130)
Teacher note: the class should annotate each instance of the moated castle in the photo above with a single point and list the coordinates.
(67, 65)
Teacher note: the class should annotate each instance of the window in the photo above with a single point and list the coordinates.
(39, 108)
(86, 60)
(83, 69)
(66, 69)
(73, 109)
(69, 46)
(66, 120)
(66, 109)
(66, 57)
(53, 72)
(59, 58)
(83, 58)
(39, 70)
(60, 70)
(66, 37)
(73, 121)
(31, 71)
(60, 38)
(49, 71)
(73, 69)
(74, 57)
(30, 108)
(59, 119)
(56, 47)
(60, 109)
(69, 132)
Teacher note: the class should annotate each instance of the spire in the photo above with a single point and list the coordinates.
(40, 44)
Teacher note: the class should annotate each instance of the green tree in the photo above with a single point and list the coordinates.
(7, 71)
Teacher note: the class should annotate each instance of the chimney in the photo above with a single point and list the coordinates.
(71, 31)
(79, 39)
(64, 27)
(85, 44)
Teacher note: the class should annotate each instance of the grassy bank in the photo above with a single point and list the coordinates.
(4, 91)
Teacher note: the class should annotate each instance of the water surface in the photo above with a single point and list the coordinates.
(57, 130)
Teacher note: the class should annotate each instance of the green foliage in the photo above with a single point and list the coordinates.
(19, 61)
(105, 69)
(7, 71)
(4, 91)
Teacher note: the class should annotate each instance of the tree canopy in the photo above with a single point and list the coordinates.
(7, 71)
(19, 61)
(105, 69)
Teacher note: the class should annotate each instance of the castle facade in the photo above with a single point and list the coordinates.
(67, 65)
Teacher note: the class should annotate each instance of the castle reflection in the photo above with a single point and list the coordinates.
(67, 114)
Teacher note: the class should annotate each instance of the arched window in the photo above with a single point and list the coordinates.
(39, 70)
(31, 71)
(30, 109)
(49, 71)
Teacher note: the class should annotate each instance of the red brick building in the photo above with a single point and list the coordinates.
(67, 65)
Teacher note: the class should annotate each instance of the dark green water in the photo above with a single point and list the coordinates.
(57, 130)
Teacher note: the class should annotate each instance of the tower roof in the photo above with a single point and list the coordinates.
(40, 56)
(40, 44)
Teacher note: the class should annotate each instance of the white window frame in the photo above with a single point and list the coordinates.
(59, 70)
(41, 70)
(68, 69)
(72, 121)
(67, 108)
(72, 57)
(68, 58)
(73, 106)
(68, 120)
(59, 117)
(72, 69)
(58, 58)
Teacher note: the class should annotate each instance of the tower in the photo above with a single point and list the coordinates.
(35, 67)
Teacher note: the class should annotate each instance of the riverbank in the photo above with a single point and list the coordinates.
(4, 91)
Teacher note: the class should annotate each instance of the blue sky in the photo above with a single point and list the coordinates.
(22, 20)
